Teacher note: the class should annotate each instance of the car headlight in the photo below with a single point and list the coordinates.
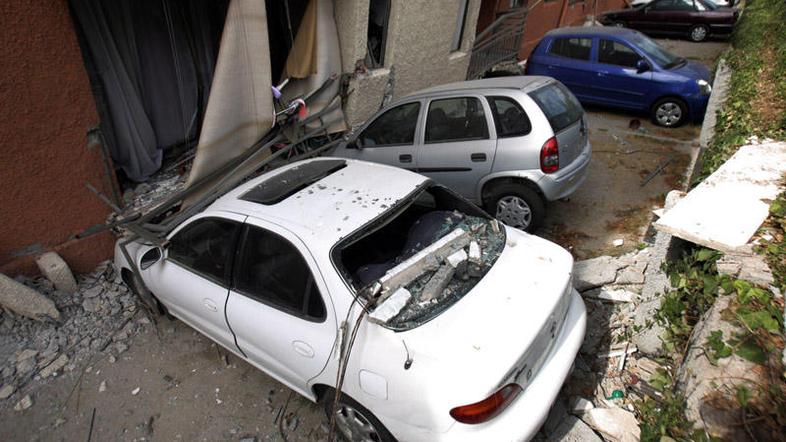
(704, 87)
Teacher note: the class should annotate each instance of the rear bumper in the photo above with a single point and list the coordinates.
(564, 182)
(524, 417)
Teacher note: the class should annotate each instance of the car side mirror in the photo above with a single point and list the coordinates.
(642, 66)
(150, 257)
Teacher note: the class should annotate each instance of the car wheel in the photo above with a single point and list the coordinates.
(699, 33)
(516, 206)
(136, 285)
(353, 421)
(669, 112)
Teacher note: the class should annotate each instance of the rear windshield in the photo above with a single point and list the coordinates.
(559, 105)
(430, 214)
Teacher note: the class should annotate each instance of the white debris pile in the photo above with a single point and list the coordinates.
(100, 316)
(610, 372)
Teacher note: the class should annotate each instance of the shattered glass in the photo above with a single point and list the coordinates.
(482, 231)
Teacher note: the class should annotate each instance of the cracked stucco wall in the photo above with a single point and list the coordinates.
(418, 46)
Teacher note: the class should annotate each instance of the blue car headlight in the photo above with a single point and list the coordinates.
(704, 87)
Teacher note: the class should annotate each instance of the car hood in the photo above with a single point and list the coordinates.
(693, 70)
(483, 336)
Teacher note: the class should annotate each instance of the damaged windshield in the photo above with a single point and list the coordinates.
(421, 259)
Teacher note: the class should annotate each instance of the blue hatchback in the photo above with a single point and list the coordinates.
(623, 68)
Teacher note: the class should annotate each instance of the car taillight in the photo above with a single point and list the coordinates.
(549, 156)
(486, 409)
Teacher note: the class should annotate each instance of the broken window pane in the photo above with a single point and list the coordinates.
(426, 219)
(378, 13)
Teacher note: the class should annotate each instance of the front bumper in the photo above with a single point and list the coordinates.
(697, 105)
(564, 182)
(524, 417)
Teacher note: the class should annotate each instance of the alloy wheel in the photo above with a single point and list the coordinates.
(698, 33)
(514, 211)
(668, 114)
(354, 426)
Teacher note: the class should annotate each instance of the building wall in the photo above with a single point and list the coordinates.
(545, 16)
(45, 160)
(418, 49)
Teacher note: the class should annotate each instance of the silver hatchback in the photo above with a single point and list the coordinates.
(510, 144)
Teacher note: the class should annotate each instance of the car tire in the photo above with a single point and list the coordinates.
(354, 421)
(699, 33)
(516, 205)
(137, 286)
(669, 112)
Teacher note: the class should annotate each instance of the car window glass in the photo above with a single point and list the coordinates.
(509, 118)
(700, 6)
(558, 104)
(396, 127)
(576, 48)
(612, 52)
(205, 246)
(456, 119)
(273, 271)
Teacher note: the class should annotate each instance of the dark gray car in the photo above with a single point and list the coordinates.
(510, 144)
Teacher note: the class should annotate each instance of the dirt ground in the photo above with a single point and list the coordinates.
(614, 203)
(187, 390)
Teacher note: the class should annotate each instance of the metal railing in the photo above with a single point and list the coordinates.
(498, 43)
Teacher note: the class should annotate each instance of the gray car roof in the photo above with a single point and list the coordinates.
(519, 82)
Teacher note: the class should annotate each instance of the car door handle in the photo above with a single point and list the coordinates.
(406, 158)
(210, 305)
(478, 157)
(303, 349)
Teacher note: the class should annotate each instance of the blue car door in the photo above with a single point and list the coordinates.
(617, 76)
(568, 59)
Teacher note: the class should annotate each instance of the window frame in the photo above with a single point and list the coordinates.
(554, 41)
(369, 60)
(486, 114)
(625, 44)
(230, 256)
(385, 111)
(237, 265)
(496, 117)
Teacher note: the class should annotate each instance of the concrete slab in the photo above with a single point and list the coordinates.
(725, 210)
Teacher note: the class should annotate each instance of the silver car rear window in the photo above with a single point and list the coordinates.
(558, 104)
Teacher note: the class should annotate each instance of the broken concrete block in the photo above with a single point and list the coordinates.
(475, 264)
(56, 365)
(57, 271)
(423, 261)
(24, 404)
(26, 354)
(615, 424)
(25, 301)
(580, 405)
(391, 306)
(750, 267)
(594, 272)
(608, 294)
(572, 429)
(439, 280)
(6, 391)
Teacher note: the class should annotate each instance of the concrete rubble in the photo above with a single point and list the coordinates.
(25, 301)
(33, 352)
(55, 269)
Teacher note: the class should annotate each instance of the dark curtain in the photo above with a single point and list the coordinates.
(155, 61)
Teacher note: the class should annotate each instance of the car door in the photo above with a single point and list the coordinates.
(618, 76)
(388, 139)
(458, 143)
(279, 305)
(192, 279)
(667, 16)
(568, 59)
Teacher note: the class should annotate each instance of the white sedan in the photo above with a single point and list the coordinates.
(445, 324)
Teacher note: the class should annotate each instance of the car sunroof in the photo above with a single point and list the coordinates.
(286, 184)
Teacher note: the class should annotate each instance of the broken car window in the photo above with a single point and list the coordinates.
(272, 271)
(204, 246)
(430, 218)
